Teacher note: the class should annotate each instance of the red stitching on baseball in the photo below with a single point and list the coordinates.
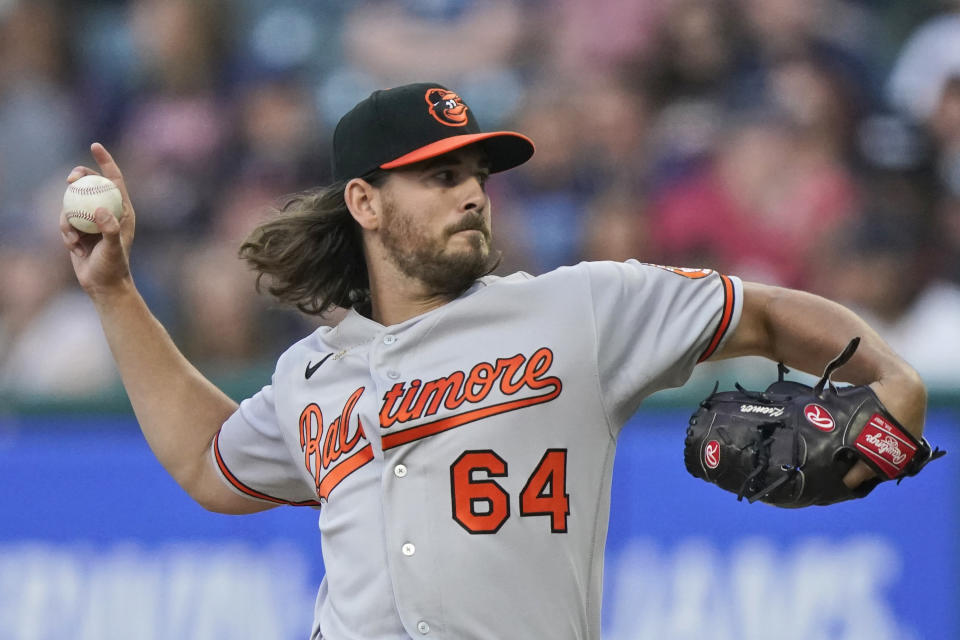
(80, 214)
(90, 191)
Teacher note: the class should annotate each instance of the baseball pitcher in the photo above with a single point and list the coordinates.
(456, 431)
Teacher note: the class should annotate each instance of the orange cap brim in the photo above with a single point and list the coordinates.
(505, 149)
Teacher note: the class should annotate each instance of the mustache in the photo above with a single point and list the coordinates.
(470, 222)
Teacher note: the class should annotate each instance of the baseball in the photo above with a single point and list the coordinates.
(85, 196)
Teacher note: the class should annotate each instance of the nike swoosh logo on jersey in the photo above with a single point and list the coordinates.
(312, 369)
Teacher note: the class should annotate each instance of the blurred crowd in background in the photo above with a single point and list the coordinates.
(807, 143)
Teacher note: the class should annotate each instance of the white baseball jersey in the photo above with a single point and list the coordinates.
(462, 460)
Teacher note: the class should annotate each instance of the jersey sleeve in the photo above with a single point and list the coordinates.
(253, 458)
(654, 324)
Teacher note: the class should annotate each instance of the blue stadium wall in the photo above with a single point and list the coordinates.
(97, 542)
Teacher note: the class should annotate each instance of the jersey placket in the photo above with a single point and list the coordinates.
(410, 553)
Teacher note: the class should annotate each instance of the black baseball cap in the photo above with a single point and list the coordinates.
(408, 124)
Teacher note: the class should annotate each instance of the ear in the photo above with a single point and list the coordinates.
(363, 201)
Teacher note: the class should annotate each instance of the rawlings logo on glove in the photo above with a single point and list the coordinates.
(791, 445)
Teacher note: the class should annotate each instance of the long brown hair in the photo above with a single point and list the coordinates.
(311, 251)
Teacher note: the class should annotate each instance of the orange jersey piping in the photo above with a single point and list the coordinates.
(232, 479)
(725, 318)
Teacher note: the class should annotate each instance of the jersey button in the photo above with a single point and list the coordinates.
(399, 471)
(393, 375)
(408, 549)
(423, 627)
(389, 338)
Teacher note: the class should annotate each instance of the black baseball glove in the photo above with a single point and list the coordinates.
(791, 445)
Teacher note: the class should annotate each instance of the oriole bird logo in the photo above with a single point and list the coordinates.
(447, 107)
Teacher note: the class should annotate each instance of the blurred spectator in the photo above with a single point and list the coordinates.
(927, 61)
(696, 49)
(783, 27)
(544, 200)
(816, 100)
(944, 125)
(948, 230)
(790, 29)
(466, 44)
(40, 132)
(174, 131)
(288, 37)
(593, 38)
(615, 227)
(218, 327)
(757, 210)
(51, 343)
(612, 129)
(279, 137)
(881, 268)
(925, 85)
(417, 38)
(896, 20)
(897, 167)
(687, 77)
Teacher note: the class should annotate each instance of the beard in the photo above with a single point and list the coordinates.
(423, 256)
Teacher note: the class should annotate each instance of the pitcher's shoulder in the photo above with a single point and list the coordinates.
(522, 277)
(310, 344)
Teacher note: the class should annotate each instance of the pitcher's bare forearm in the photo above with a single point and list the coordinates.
(178, 409)
(805, 331)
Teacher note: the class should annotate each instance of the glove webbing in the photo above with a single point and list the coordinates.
(766, 437)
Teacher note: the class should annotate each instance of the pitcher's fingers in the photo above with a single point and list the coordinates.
(109, 166)
(108, 225)
(71, 237)
(78, 172)
(858, 474)
(67, 231)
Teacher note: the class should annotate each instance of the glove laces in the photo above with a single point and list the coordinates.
(765, 438)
